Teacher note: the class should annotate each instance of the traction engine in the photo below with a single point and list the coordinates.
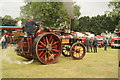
(47, 45)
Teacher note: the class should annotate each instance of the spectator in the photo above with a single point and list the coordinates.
(87, 43)
(91, 44)
(7, 40)
(106, 42)
(95, 45)
(2, 41)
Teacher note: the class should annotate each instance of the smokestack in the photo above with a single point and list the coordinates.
(71, 23)
(69, 8)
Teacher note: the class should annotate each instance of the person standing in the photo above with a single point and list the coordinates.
(30, 26)
(87, 43)
(106, 42)
(7, 40)
(2, 41)
(91, 44)
(95, 42)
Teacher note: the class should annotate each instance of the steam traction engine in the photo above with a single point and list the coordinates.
(48, 45)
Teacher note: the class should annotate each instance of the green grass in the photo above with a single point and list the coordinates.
(103, 64)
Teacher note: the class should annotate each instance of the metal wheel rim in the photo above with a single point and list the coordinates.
(77, 52)
(66, 52)
(44, 55)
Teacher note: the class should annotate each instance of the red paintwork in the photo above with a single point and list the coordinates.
(30, 42)
(112, 43)
(100, 42)
(48, 45)
(42, 30)
(10, 28)
(8, 33)
(25, 46)
(83, 38)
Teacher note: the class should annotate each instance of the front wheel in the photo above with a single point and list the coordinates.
(77, 51)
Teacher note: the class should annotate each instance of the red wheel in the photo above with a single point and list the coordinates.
(24, 48)
(66, 50)
(24, 45)
(47, 48)
(77, 51)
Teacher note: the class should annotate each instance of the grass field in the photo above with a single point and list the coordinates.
(103, 64)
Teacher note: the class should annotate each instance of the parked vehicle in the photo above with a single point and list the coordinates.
(115, 40)
(100, 40)
(9, 30)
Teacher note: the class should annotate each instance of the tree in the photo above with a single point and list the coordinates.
(51, 13)
(116, 7)
(76, 11)
(8, 21)
(115, 13)
(97, 24)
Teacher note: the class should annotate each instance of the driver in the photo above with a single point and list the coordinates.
(30, 26)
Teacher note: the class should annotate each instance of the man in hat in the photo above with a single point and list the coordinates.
(30, 26)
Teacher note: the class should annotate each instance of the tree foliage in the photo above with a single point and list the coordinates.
(8, 21)
(98, 24)
(115, 12)
(51, 13)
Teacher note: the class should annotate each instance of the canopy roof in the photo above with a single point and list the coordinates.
(10, 27)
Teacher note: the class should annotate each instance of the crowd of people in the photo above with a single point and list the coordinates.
(92, 44)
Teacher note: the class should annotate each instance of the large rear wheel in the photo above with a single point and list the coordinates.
(47, 48)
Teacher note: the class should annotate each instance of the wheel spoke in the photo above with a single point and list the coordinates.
(81, 50)
(55, 50)
(40, 53)
(52, 53)
(55, 47)
(47, 40)
(67, 52)
(43, 43)
(73, 51)
(43, 55)
(52, 41)
(80, 53)
(50, 38)
(55, 43)
(44, 40)
(40, 46)
(40, 49)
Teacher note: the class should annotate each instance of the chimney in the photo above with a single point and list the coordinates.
(71, 23)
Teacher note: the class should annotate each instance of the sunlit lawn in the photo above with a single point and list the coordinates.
(103, 64)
